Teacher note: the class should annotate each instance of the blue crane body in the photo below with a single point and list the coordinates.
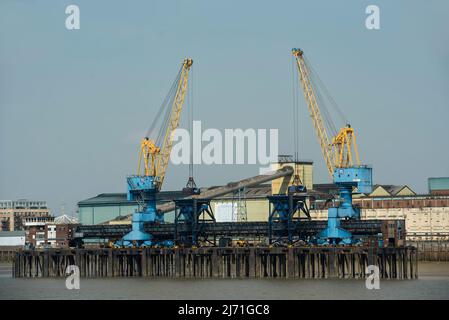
(346, 179)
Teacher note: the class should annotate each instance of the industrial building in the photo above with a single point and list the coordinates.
(108, 206)
(426, 216)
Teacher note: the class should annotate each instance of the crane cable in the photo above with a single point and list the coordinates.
(165, 108)
(169, 109)
(295, 109)
(322, 89)
(190, 120)
(295, 102)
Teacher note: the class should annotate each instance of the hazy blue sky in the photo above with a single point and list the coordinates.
(74, 104)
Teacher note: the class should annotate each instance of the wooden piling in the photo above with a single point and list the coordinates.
(213, 262)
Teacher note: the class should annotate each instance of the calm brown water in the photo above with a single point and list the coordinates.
(432, 284)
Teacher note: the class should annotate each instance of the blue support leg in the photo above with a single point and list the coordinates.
(142, 188)
(334, 234)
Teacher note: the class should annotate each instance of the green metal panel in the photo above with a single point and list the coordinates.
(96, 214)
(85, 215)
(438, 183)
(102, 214)
(99, 214)
(125, 210)
(108, 206)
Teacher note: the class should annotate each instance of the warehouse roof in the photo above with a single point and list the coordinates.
(254, 192)
(378, 189)
(392, 190)
(260, 191)
(120, 198)
(12, 233)
(65, 219)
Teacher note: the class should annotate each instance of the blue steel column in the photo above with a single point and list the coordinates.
(345, 178)
(142, 188)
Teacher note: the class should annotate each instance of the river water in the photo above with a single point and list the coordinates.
(433, 283)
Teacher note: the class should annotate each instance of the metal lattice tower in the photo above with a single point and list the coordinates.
(239, 210)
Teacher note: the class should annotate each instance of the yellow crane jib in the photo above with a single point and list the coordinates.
(155, 158)
(314, 110)
(173, 123)
(339, 151)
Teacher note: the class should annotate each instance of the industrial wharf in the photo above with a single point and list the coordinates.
(221, 262)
